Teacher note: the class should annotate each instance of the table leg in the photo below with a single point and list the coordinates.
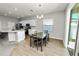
(45, 41)
(37, 44)
(48, 37)
(41, 45)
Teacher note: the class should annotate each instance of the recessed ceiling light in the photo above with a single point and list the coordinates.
(41, 16)
(15, 9)
(37, 16)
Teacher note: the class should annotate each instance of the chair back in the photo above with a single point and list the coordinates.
(31, 31)
(47, 34)
(46, 31)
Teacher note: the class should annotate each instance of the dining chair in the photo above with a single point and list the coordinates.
(34, 41)
(2, 35)
(46, 39)
(38, 42)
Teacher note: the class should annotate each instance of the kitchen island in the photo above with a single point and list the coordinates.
(16, 35)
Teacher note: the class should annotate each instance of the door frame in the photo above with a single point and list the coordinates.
(76, 38)
(69, 27)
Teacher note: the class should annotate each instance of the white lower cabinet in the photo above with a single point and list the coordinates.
(20, 36)
(12, 36)
(16, 36)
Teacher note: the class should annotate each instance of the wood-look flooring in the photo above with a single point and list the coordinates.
(53, 48)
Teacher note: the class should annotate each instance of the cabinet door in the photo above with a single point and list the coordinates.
(20, 36)
(11, 25)
(11, 36)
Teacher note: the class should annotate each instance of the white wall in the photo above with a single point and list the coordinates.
(58, 22)
(67, 21)
(5, 20)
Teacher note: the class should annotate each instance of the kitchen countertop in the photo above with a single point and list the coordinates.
(11, 30)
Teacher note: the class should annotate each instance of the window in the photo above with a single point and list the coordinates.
(48, 25)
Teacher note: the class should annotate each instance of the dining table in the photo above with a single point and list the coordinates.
(40, 36)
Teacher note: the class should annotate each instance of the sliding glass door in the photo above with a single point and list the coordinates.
(77, 44)
(73, 32)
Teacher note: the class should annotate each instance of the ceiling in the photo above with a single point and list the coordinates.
(18, 10)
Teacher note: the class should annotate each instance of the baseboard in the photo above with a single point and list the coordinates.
(55, 38)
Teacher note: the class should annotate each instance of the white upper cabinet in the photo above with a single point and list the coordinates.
(11, 25)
